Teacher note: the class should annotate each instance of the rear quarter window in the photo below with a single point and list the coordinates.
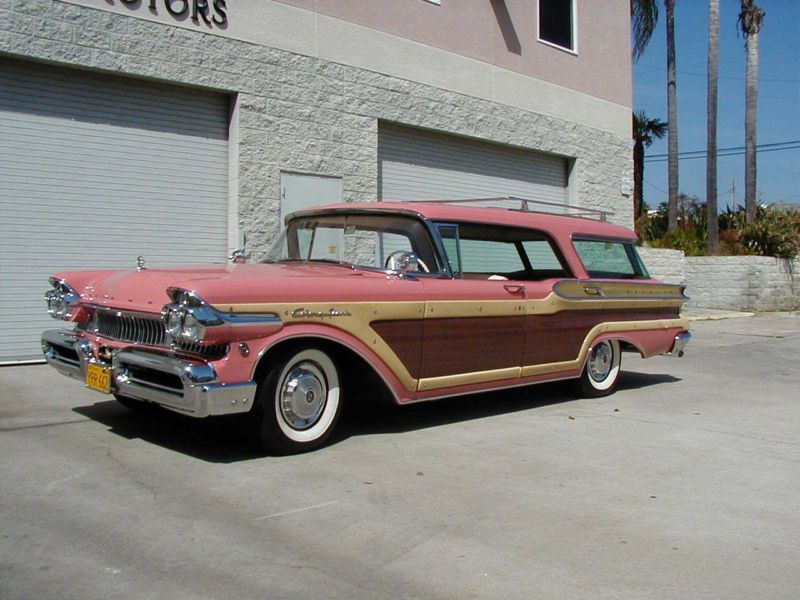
(610, 259)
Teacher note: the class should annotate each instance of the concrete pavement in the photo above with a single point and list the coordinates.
(684, 484)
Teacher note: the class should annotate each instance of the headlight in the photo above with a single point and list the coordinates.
(61, 300)
(188, 317)
(174, 321)
(193, 331)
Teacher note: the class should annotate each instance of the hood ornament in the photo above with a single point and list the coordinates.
(140, 263)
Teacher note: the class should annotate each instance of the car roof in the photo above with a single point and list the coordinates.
(561, 225)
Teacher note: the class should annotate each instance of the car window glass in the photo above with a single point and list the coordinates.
(489, 256)
(541, 255)
(496, 252)
(609, 259)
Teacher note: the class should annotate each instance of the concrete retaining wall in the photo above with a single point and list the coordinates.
(750, 283)
(668, 266)
(747, 283)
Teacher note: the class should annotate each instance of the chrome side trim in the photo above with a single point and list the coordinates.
(679, 345)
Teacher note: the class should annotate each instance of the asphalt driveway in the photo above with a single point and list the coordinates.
(685, 484)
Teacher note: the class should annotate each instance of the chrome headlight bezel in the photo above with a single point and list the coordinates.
(188, 317)
(61, 300)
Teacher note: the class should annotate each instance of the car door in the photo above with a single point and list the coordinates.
(474, 325)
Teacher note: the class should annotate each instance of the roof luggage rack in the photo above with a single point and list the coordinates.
(524, 205)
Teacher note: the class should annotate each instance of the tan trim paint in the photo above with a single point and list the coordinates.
(361, 314)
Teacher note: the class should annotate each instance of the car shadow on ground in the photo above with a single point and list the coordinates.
(222, 439)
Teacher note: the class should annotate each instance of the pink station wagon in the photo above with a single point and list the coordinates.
(428, 299)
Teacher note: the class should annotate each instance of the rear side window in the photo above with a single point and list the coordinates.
(608, 259)
(478, 251)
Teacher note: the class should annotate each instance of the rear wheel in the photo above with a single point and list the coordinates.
(298, 402)
(601, 372)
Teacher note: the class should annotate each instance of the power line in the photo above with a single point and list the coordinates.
(690, 74)
(732, 151)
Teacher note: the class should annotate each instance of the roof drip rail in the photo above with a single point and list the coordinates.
(526, 204)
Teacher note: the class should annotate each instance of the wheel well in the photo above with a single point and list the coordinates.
(359, 377)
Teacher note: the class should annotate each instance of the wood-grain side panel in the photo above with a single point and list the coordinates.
(453, 346)
(404, 337)
(558, 337)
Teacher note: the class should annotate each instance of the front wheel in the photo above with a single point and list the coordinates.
(298, 402)
(601, 372)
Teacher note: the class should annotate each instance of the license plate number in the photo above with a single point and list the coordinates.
(98, 378)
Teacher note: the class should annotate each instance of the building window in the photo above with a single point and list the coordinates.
(557, 23)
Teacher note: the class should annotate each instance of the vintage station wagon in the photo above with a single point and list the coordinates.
(428, 299)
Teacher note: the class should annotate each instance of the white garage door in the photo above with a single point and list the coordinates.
(420, 165)
(94, 171)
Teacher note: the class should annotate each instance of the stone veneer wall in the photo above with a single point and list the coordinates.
(302, 114)
(746, 283)
(665, 265)
(749, 283)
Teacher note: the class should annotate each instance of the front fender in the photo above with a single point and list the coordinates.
(402, 390)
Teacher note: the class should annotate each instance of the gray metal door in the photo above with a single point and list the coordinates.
(420, 165)
(94, 171)
(300, 191)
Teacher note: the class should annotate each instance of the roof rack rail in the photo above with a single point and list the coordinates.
(524, 205)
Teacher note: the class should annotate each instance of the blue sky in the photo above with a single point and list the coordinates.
(778, 106)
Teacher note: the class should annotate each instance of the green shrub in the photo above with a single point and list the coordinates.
(774, 233)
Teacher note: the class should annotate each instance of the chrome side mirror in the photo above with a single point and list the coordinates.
(402, 262)
(239, 256)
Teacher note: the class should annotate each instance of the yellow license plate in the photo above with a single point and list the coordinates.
(98, 378)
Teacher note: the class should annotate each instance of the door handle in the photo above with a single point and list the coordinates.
(593, 290)
(514, 288)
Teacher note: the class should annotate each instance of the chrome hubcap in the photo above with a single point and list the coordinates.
(600, 359)
(303, 394)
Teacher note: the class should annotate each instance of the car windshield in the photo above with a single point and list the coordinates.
(366, 241)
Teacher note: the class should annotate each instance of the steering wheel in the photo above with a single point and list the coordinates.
(398, 253)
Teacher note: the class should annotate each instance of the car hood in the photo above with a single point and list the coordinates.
(146, 290)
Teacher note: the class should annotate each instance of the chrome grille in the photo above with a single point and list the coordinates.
(129, 328)
(135, 328)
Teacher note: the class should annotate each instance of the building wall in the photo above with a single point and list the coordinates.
(505, 33)
(557, 90)
(302, 113)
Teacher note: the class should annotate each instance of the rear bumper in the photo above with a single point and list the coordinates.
(679, 344)
(183, 385)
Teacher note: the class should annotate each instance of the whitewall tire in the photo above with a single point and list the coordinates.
(298, 402)
(601, 371)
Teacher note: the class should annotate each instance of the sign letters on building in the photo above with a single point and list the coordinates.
(211, 12)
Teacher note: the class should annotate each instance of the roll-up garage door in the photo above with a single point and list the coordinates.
(420, 165)
(95, 171)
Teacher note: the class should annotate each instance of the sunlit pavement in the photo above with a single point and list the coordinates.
(684, 484)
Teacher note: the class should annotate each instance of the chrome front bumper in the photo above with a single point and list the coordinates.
(679, 344)
(179, 384)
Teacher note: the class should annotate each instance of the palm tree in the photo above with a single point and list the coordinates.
(750, 19)
(712, 243)
(672, 120)
(644, 132)
(644, 16)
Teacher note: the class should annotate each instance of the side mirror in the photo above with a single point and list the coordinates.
(239, 256)
(402, 262)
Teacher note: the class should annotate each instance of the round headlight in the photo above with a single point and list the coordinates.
(175, 322)
(192, 329)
